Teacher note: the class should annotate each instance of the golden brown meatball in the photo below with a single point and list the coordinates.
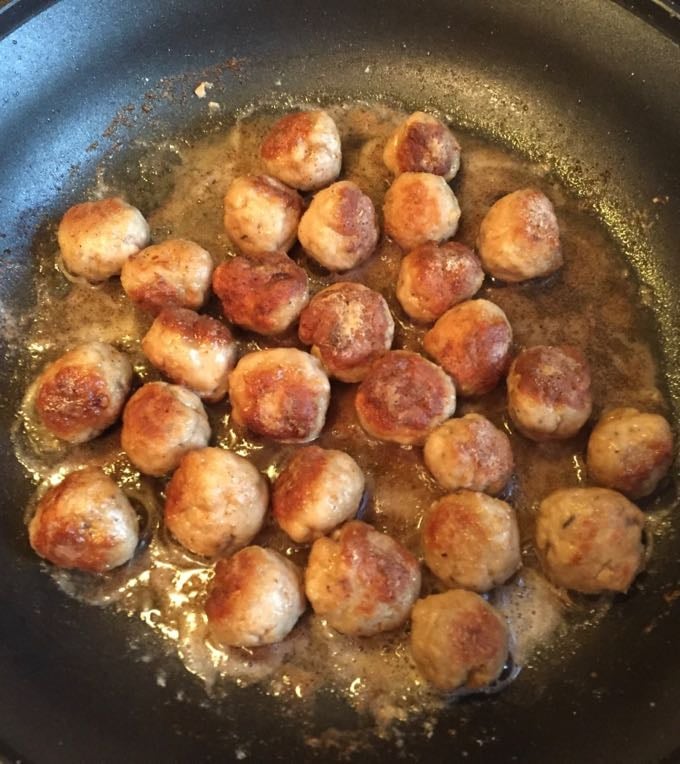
(82, 393)
(303, 150)
(261, 214)
(175, 273)
(264, 293)
(469, 452)
(519, 238)
(215, 502)
(420, 207)
(435, 277)
(458, 640)
(549, 392)
(361, 581)
(590, 539)
(316, 491)
(191, 350)
(281, 393)
(161, 423)
(422, 144)
(255, 598)
(404, 397)
(472, 343)
(96, 238)
(348, 326)
(471, 541)
(85, 522)
(630, 451)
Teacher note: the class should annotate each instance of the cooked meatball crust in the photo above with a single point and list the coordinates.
(361, 581)
(590, 539)
(85, 522)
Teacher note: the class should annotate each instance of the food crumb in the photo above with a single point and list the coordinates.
(202, 88)
(161, 679)
(213, 106)
(240, 754)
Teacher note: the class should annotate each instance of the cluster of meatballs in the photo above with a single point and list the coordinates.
(360, 581)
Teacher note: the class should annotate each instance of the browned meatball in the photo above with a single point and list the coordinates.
(82, 393)
(404, 397)
(590, 539)
(549, 392)
(348, 326)
(435, 277)
(264, 293)
(361, 581)
(85, 522)
(458, 640)
(472, 343)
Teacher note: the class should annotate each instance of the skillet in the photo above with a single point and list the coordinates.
(590, 86)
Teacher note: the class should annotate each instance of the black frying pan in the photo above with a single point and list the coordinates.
(592, 86)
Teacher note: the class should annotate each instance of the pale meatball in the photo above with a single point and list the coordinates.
(348, 326)
(422, 144)
(435, 277)
(458, 640)
(161, 423)
(469, 452)
(198, 352)
(303, 150)
(471, 541)
(519, 238)
(282, 394)
(403, 398)
(215, 502)
(339, 229)
(472, 341)
(174, 273)
(255, 598)
(549, 394)
(420, 207)
(261, 214)
(264, 293)
(590, 539)
(316, 491)
(361, 581)
(630, 451)
(96, 238)
(82, 393)
(85, 522)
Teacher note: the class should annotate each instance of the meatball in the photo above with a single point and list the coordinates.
(361, 581)
(435, 277)
(255, 598)
(340, 229)
(471, 541)
(472, 343)
(469, 453)
(590, 539)
(281, 393)
(191, 350)
(422, 144)
(161, 423)
(174, 273)
(420, 207)
(404, 397)
(316, 491)
(630, 451)
(519, 238)
(303, 150)
(215, 502)
(348, 326)
(82, 393)
(96, 238)
(261, 214)
(264, 293)
(458, 640)
(549, 392)
(85, 522)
